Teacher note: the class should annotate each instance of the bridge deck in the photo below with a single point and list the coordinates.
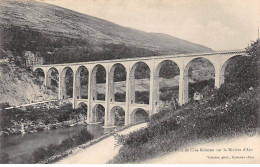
(152, 57)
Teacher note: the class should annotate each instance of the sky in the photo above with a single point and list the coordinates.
(218, 24)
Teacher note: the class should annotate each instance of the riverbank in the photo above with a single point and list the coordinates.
(25, 128)
(98, 153)
(21, 147)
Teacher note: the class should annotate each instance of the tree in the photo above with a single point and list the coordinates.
(244, 74)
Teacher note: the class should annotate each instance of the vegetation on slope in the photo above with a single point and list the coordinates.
(228, 112)
(44, 115)
(62, 35)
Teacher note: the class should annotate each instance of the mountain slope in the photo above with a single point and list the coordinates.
(59, 22)
(18, 86)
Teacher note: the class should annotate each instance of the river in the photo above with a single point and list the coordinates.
(21, 147)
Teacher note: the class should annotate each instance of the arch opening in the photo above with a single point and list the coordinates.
(140, 83)
(117, 116)
(199, 79)
(99, 83)
(82, 109)
(67, 83)
(139, 115)
(98, 114)
(228, 67)
(81, 83)
(52, 80)
(118, 83)
(167, 84)
(39, 75)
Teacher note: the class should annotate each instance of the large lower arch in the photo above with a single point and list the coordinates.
(81, 83)
(117, 78)
(98, 114)
(139, 115)
(98, 83)
(83, 107)
(199, 76)
(117, 116)
(66, 83)
(166, 83)
(139, 83)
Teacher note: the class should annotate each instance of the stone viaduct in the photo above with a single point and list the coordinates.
(218, 59)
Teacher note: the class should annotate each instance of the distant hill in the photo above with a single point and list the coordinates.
(41, 22)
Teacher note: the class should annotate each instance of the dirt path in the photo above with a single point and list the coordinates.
(99, 153)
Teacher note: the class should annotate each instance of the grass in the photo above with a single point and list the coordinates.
(168, 131)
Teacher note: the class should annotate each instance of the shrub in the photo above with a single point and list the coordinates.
(142, 136)
(67, 143)
(39, 154)
(83, 136)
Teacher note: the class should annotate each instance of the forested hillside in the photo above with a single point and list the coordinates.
(62, 35)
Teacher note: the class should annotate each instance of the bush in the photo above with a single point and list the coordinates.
(83, 136)
(67, 143)
(142, 136)
(39, 154)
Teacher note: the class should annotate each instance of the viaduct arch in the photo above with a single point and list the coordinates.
(219, 60)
